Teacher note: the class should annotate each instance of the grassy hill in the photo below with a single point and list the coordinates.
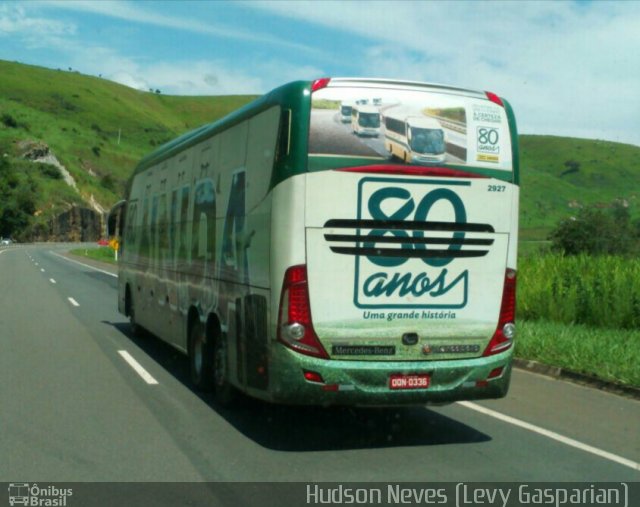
(560, 173)
(99, 130)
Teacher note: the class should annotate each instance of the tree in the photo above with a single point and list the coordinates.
(596, 231)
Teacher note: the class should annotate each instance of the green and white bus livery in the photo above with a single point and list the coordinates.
(298, 263)
(365, 120)
(417, 139)
(345, 112)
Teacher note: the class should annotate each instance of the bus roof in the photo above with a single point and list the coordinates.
(296, 96)
(414, 85)
(366, 109)
(284, 95)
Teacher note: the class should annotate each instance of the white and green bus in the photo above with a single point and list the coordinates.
(365, 120)
(417, 139)
(298, 263)
(345, 112)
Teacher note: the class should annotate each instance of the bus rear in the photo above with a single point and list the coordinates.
(394, 282)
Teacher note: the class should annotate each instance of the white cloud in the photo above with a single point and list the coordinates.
(568, 68)
(207, 77)
(133, 12)
(15, 21)
(129, 80)
(185, 77)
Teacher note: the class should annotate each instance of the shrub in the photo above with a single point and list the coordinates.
(50, 171)
(109, 182)
(596, 231)
(9, 121)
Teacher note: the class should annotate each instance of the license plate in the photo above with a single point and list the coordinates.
(410, 381)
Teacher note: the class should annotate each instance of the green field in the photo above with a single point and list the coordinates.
(581, 313)
(559, 174)
(608, 354)
(96, 128)
(602, 291)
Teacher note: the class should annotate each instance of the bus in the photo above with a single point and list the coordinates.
(345, 112)
(365, 120)
(418, 139)
(295, 264)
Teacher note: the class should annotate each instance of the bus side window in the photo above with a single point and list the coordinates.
(130, 235)
(154, 229)
(203, 233)
(261, 146)
(144, 229)
(234, 221)
(182, 220)
(283, 145)
(163, 231)
(173, 226)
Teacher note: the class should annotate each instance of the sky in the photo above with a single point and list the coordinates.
(569, 68)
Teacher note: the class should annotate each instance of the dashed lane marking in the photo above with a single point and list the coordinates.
(146, 376)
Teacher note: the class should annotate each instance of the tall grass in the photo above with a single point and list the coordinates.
(609, 354)
(602, 291)
(102, 254)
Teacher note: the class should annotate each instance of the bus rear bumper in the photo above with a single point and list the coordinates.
(368, 382)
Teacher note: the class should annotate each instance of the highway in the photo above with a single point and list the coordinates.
(82, 400)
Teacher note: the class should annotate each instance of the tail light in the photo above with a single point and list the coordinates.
(318, 84)
(503, 337)
(295, 327)
(494, 98)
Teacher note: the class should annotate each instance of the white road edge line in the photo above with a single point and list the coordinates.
(83, 264)
(146, 376)
(73, 302)
(550, 434)
(52, 280)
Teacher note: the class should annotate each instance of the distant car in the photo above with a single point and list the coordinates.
(5, 241)
(103, 242)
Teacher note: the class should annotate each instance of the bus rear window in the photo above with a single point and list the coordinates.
(415, 125)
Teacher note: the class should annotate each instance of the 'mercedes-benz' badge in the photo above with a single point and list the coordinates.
(363, 350)
(450, 349)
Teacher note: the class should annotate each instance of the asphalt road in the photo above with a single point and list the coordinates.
(72, 409)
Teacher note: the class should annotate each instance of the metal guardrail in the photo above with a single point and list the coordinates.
(451, 124)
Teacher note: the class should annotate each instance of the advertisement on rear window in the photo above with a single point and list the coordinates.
(406, 126)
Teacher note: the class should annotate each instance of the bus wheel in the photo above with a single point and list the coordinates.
(224, 391)
(200, 358)
(134, 327)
